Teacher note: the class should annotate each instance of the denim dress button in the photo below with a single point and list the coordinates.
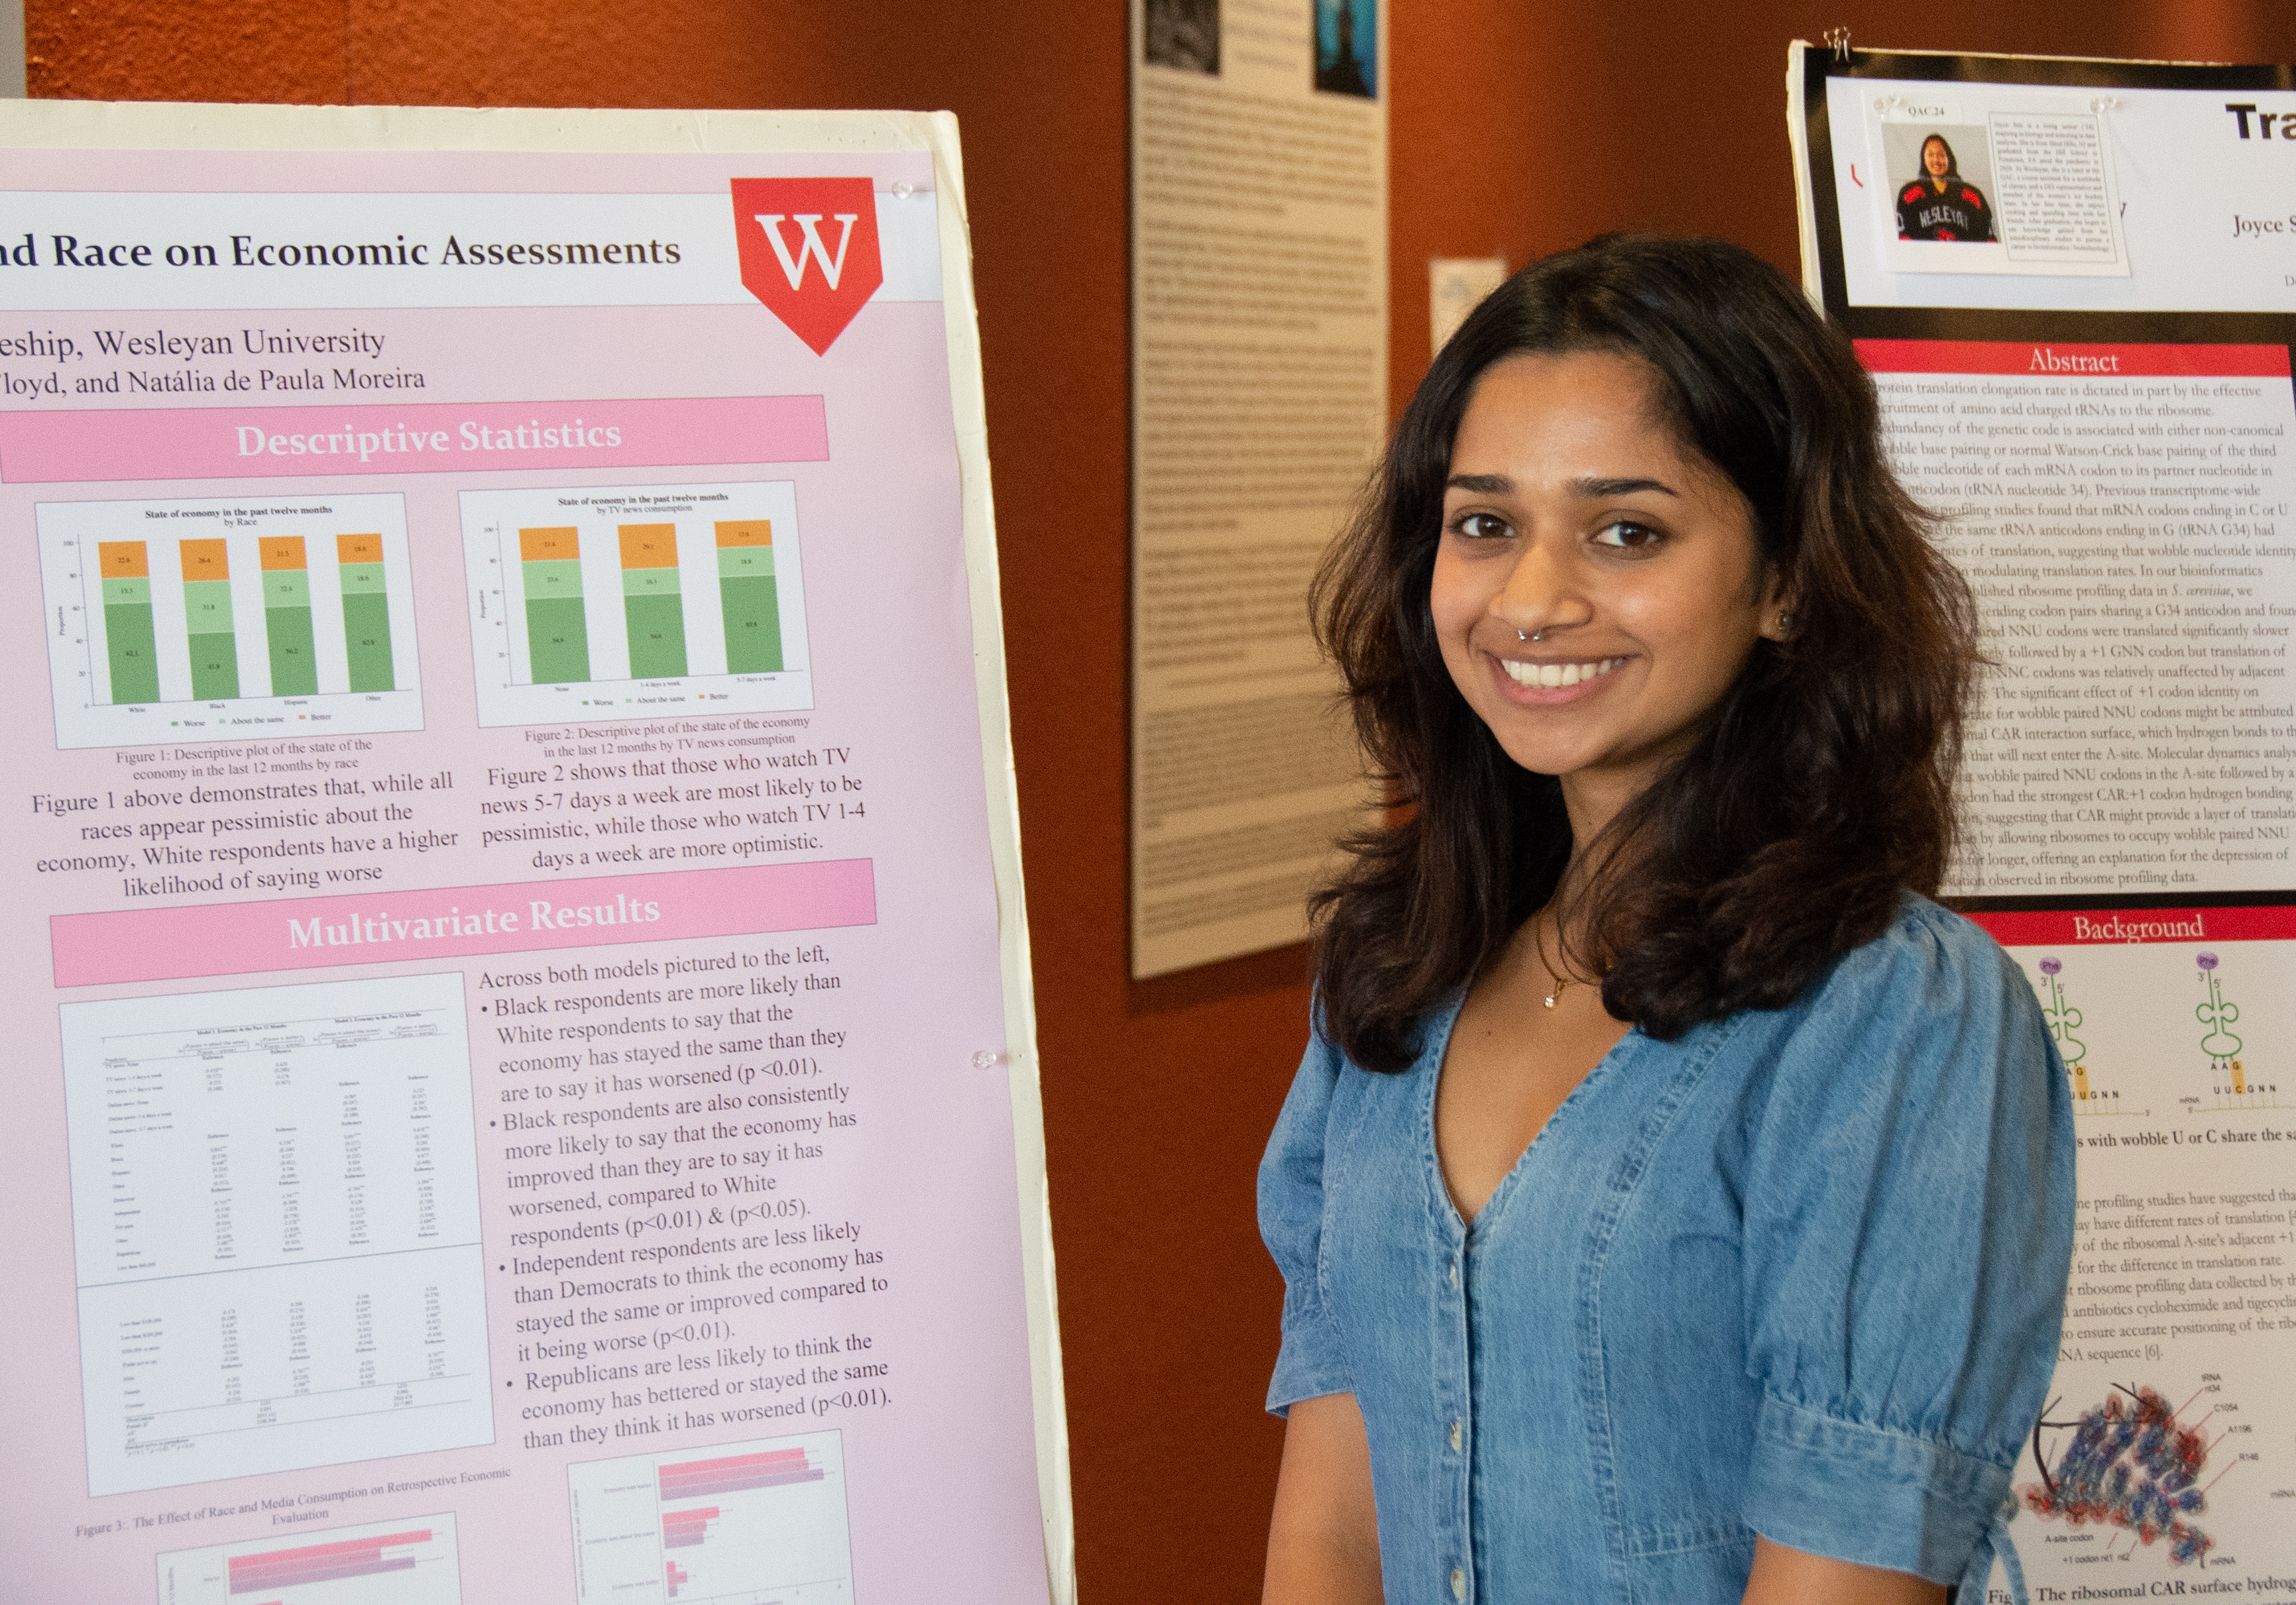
(1455, 1437)
(1458, 1584)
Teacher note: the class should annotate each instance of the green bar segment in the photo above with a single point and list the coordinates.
(287, 630)
(657, 621)
(557, 638)
(366, 627)
(131, 645)
(214, 644)
(753, 624)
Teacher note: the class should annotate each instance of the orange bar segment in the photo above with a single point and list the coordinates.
(648, 545)
(122, 559)
(548, 545)
(746, 532)
(206, 560)
(358, 548)
(282, 552)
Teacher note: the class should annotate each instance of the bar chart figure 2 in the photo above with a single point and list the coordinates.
(711, 603)
(201, 619)
(738, 1524)
(411, 1562)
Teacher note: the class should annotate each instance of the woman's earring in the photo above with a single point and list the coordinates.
(1785, 618)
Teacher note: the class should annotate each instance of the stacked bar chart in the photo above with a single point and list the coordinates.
(287, 616)
(210, 619)
(745, 585)
(367, 612)
(550, 575)
(604, 602)
(385, 1563)
(133, 648)
(204, 619)
(742, 1524)
(651, 602)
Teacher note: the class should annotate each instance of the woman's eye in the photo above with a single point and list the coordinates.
(1624, 534)
(1480, 526)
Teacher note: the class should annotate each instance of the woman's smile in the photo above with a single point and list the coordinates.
(1551, 676)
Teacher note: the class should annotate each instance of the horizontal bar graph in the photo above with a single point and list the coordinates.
(413, 1560)
(189, 619)
(739, 1524)
(600, 602)
(324, 1562)
(699, 1479)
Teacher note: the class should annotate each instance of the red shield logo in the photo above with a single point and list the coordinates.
(809, 250)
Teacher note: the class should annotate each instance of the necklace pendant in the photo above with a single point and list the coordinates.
(1550, 999)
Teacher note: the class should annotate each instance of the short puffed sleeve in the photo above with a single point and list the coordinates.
(1908, 1224)
(1313, 1360)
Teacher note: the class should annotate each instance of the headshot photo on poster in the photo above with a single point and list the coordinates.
(1942, 182)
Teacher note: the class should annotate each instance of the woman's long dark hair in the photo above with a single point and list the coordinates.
(1821, 786)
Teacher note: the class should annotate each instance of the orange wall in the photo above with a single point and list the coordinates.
(1519, 126)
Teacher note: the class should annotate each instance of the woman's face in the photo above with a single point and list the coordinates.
(1934, 158)
(1572, 513)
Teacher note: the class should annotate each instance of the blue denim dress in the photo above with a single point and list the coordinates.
(1800, 1273)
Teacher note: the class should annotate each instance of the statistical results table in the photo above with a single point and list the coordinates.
(274, 1195)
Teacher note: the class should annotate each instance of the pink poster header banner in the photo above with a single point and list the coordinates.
(456, 922)
(2062, 359)
(2067, 927)
(270, 443)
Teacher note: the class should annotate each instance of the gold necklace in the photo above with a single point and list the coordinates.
(1538, 946)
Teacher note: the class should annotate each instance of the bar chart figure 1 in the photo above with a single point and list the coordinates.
(189, 620)
(737, 1523)
(411, 1562)
(711, 602)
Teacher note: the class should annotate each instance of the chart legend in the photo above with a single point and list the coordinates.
(606, 603)
(199, 620)
(737, 1523)
(411, 1562)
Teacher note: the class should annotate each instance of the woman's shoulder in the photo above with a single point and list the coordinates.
(1928, 957)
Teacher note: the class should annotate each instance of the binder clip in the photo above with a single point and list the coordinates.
(1838, 37)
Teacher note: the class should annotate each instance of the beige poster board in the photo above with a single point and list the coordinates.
(1259, 401)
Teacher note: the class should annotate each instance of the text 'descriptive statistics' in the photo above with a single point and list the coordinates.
(274, 1202)
(408, 1562)
(606, 603)
(202, 620)
(737, 1523)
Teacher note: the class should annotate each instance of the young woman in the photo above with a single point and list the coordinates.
(1675, 1205)
(1941, 204)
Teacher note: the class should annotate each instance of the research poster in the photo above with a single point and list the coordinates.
(522, 1080)
(1259, 404)
(2074, 284)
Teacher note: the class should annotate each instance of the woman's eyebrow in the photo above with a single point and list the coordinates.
(1586, 486)
(1597, 488)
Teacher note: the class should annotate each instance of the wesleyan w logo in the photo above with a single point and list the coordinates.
(808, 250)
